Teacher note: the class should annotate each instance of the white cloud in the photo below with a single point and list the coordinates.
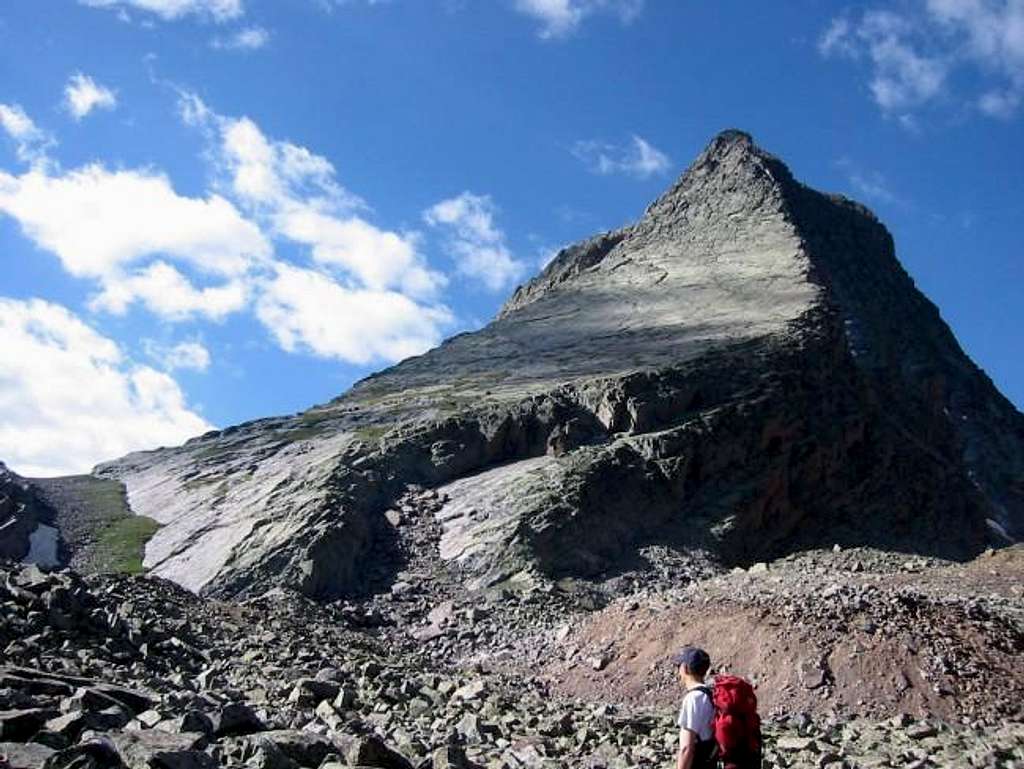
(170, 10)
(16, 123)
(913, 54)
(183, 257)
(105, 224)
(97, 221)
(163, 290)
(296, 194)
(191, 355)
(378, 258)
(308, 310)
(271, 173)
(32, 145)
(371, 294)
(82, 95)
(245, 39)
(476, 243)
(559, 18)
(50, 424)
(1000, 104)
(638, 158)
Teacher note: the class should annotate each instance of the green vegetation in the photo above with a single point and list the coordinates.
(216, 451)
(201, 481)
(121, 544)
(303, 433)
(96, 523)
(371, 433)
(99, 494)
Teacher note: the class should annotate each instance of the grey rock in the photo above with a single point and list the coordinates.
(234, 719)
(161, 750)
(304, 748)
(25, 755)
(694, 366)
(309, 692)
(20, 725)
(371, 751)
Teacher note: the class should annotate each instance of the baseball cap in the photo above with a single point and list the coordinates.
(693, 657)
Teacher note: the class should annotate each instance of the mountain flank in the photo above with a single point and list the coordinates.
(745, 372)
(735, 422)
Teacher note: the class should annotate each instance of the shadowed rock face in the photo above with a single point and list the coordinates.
(747, 370)
(26, 522)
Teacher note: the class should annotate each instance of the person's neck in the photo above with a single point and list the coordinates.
(693, 683)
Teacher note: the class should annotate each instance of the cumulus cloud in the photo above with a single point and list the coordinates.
(103, 224)
(560, 18)
(378, 258)
(264, 174)
(171, 10)
(49, 423)
(296, 196)
(32, 145)
(142, 243)
(308, 310)
(245, 39)
(82, 95)
(477, 245)
(913, 54)
(164, 291)
(190, 355)
(638, 158)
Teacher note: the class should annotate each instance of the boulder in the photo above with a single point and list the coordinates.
(153, 749)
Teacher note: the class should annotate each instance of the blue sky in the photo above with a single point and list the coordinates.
(216, 210)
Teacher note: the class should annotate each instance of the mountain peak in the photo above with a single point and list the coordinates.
(730, 137)
(746, 368)
(731, 182)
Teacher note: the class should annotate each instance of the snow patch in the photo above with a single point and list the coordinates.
(42, 546)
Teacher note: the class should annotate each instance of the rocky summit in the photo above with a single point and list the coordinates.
(746, 371)
(735, 422)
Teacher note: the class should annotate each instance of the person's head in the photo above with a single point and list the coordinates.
(693, 663)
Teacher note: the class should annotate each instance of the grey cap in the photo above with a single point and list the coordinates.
(693, 657)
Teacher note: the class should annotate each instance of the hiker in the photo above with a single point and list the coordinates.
(697, 747)
(719, 725)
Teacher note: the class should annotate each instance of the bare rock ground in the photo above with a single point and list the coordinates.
(137, 672)
(856, 633)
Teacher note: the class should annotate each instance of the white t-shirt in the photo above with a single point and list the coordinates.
(697, 714)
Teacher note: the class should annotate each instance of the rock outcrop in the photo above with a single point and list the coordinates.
(745, 372)
(27, 523)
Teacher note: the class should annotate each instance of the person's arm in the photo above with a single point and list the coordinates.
(687, 746)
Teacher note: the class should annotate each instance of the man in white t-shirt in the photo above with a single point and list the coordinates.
(697, 713)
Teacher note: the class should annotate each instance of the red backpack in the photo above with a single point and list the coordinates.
(737, 726)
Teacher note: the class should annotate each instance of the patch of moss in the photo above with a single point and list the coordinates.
(100, 494)
(211, 452)
(371, 433)
(316, 417)
(121, 544)
(200, 482)
(302, 433)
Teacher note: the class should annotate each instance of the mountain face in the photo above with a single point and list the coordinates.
(746, 371)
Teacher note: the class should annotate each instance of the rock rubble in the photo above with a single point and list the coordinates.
(121, 671)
